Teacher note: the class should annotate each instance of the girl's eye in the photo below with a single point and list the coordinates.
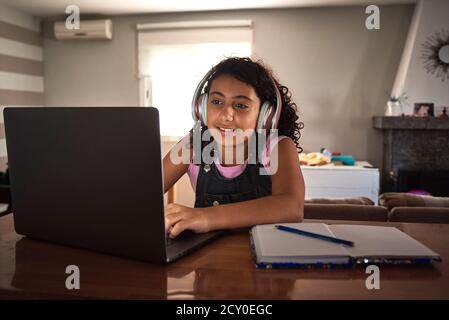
(240, 106)
(215, 102)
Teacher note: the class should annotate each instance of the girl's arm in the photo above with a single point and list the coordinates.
(286, 204)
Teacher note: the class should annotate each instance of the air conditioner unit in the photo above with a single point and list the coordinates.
(89, 29)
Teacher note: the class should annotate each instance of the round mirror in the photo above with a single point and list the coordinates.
(443, 53)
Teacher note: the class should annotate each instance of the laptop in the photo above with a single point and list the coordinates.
(91, 177)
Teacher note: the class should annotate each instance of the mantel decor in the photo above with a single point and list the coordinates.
(435, 53)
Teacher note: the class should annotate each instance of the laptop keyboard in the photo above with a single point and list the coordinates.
(183, 236)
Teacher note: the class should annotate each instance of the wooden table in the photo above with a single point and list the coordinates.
(221, 270)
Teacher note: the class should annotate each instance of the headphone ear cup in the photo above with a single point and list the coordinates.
(200, 108)
(203, 109)
(195, 111)
(265, 116)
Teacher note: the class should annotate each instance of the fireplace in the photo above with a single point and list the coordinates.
(435, 182)
(415, 154)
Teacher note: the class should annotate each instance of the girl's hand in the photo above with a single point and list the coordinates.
(179, 218)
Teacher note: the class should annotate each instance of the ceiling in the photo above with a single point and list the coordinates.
(119, 7)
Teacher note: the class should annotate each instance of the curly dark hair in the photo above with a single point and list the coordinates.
(261, 78)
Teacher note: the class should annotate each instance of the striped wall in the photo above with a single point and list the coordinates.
(21, 66)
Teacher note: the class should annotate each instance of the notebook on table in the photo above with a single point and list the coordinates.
(273, 248)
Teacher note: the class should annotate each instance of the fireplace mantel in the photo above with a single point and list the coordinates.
(411, 123)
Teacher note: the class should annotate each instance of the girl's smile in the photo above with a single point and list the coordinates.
(227, 131)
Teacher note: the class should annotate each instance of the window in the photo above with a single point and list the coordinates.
(173, 61)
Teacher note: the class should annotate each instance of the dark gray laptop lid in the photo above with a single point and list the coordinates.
(88, 177)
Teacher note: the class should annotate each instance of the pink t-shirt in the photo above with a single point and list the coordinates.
(233, 171)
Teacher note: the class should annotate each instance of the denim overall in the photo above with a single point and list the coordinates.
(214, 189)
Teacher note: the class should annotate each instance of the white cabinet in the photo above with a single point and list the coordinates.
(330, 181)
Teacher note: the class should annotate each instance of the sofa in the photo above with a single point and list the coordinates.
(394, 207)
(405, 207)
(361, 209)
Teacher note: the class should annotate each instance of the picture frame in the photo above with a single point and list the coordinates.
(423, 109)
(442, 112)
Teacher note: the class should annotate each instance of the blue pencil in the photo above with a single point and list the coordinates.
(315, 235)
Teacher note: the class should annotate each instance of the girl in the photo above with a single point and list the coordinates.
(240, 95)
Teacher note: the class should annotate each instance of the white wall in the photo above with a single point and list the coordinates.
(419, 85)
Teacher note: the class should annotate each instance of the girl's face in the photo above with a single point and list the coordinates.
(232, 105)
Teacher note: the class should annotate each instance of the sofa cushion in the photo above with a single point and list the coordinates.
(419, 215)
(345, 212)
(358, 200)
(396, 199)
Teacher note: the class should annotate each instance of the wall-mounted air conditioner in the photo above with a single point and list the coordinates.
(89, 29)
